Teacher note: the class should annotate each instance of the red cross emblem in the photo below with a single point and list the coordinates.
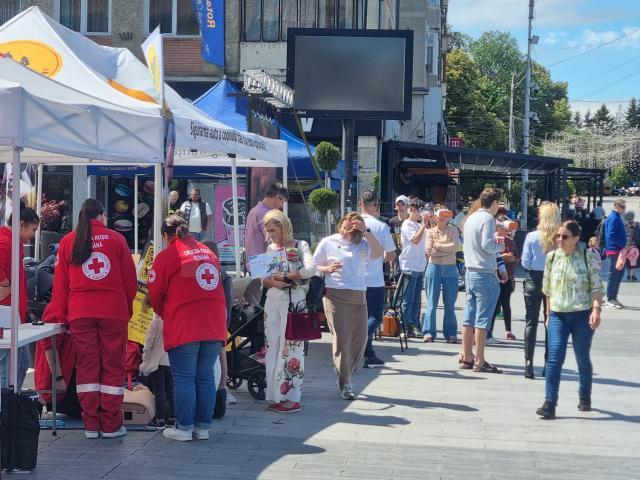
(207, 276)
(97, 266)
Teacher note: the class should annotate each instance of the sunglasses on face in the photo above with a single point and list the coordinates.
(562, 236)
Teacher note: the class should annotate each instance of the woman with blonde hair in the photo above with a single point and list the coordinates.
(536, 245)
(342, 258)
(285, 358)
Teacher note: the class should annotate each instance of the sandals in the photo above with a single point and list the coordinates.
(486, 367)
(462, 365)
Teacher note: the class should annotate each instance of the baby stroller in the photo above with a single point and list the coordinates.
(244, 329)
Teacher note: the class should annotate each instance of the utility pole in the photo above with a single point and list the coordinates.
(527, 117)
(511, 120)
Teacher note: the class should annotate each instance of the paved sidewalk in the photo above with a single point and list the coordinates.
(418, 418)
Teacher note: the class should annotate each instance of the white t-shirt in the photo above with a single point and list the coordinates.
(413, 257)
(195, 225)
(374, 275)
(353, 258)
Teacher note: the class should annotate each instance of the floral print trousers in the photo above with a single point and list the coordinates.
(285, 358)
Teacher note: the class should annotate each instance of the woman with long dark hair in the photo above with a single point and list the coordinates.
(186, 291)
(93, 289)
(573, 291)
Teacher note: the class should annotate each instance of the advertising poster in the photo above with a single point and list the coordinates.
(223, 220)
(141, 318)
(121, 205)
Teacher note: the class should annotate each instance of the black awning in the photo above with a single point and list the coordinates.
(470, 159)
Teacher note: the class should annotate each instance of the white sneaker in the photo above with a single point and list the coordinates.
(91, 435)
(347, 392)
(179, 435)
(201, 433)
(118, 433)
(230, 398)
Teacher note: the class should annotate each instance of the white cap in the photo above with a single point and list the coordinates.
(402, 198)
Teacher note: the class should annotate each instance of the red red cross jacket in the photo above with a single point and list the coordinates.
(186, 291)
(5, 271)
(102, 287)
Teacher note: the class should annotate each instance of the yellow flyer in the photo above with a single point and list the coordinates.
(141, 318)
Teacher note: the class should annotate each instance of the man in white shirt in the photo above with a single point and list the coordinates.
(413, 262)
(198, 214)
(598, 211)
(459, 218)
(374, 275)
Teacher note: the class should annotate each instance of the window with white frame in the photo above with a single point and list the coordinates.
(432, 53)
(8, 9)
(85, 16)
(175, 17)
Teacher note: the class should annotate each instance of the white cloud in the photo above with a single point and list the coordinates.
(592, 38)
(613, 106)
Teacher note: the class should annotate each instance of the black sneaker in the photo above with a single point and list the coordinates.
(616, 303)
(373, 362)
(547, 410)
(155, 424)
(585, 404)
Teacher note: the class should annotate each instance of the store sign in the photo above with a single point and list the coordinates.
(223, 220)
(456, 142)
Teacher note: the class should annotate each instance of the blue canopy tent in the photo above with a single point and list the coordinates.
(231, 110)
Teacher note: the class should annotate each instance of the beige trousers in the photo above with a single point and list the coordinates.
(346, 312)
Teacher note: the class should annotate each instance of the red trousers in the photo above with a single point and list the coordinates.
(100, 348)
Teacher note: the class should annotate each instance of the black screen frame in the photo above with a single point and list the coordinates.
(407, 35)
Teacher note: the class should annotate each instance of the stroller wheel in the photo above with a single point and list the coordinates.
(256, 383)
(234, 382)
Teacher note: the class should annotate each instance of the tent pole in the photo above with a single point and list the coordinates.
(236, 217)
(157, 208)
(15, 265)
(135, 214)
(285, 183)
(38, 208)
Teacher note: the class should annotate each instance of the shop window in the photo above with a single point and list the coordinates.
(289, 16)
(345, 14)
(326, 14)
(271, 13)
(252, 20)
(307, 14)
(85, 16)
(8, 10)
(175, 17)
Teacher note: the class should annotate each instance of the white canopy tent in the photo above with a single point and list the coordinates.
(77, 61)
(40, 115)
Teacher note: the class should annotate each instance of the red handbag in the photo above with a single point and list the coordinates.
(302, 326)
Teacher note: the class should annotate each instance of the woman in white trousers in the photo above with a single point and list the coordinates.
(285, 358)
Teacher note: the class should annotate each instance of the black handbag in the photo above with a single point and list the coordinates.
(20, 430)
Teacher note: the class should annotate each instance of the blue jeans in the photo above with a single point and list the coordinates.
(615, 277)
(375, 307)
(483, 290)
(24, 358)
(199, 236)
(437, 277)
(412, 299)
(560, 326)
(194, 385)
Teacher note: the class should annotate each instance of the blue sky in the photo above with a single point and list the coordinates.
(568, 28)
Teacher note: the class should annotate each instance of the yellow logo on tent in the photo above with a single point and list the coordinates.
(137, 94)
(37, 56)
(154, 68)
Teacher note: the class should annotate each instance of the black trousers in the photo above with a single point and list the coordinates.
(533, 301)
(162, 388)
(504, 303)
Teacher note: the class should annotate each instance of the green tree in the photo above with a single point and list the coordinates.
(588, 121)
(603, 122)
(458, 40)
(577, 120)
(633, 114)
(468, 94)
(621, 175)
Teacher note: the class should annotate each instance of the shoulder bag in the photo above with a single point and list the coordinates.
(302, 326)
